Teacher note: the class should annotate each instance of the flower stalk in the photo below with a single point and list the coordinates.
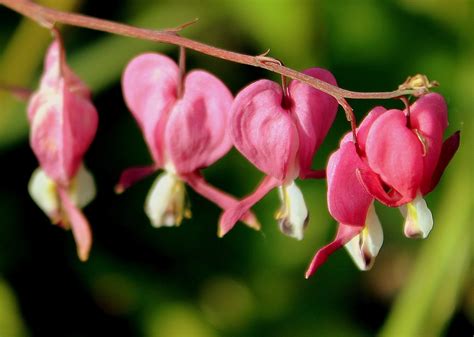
(48, 17)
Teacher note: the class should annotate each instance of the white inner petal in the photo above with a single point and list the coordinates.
(364, 247)
(82, 190)
(374, 238)
(165, 203)
(42, 190)
(418, 218)
(293, 214)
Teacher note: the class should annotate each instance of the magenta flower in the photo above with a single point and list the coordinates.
(279, 133)
(63, 124)
(407, 157)
(349, 203)
(400, 158)
(183, 133)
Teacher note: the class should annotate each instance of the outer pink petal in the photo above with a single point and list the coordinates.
(348, 201)
(395, 153)
(314, 113)
(55, 70)
(366, 124)
(450, 146)
(263, 131)
(230, 217)
(79, 225)
(364, 127)
(149, 85)
(131, 175)
(429, 115)
(344, 234)
(220, 198)
(197, 133)
(52, 66)
(63, 126)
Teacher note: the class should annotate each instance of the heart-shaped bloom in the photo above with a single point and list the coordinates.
(63, 124)
(279, 133)
(184, 133)
(407, 156)
(399, 158)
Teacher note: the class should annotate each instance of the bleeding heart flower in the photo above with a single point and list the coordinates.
(400, 158)
(183, 133)
(63, 124)
(407, 156)
(279, 133)
(350, 204)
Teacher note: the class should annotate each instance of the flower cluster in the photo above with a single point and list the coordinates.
(191, 120)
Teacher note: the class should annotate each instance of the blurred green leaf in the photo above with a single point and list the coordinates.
(11, 323)
(177, 319)
(285, 35)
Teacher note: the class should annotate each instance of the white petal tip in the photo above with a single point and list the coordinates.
(418, 218)
(165, 203)
(293, 216)
(364, 247)
(43, 191)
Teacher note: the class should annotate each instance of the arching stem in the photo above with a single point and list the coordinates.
(48, 17)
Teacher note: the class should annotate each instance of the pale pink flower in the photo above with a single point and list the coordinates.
(184, 134)
(279, 133)
(63, 124)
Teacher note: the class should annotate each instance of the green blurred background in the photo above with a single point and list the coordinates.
(185, 281)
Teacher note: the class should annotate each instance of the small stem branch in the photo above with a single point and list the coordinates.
(182, 70)
(350, 118)
(407, 108)
(49, 17)
(20, 93)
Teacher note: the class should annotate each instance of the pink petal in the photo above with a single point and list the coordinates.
(366, 124)
(230, 217)
(220, 198)
(197, 133)
(450, 146)
(56, 70)
(314, 113)
(263, 131)
(149, 85)
(344, 234)
(131, 175)
(395, 153)
(364, 127)
(429, 116)
(374, 186)
(348, 201)
(63, 126)
(79, 225)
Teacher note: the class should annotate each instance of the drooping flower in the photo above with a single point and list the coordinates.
(359, 228)
(279, 132)
(407, 156)
(63, 124)
(184, 133)
(399, 158)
